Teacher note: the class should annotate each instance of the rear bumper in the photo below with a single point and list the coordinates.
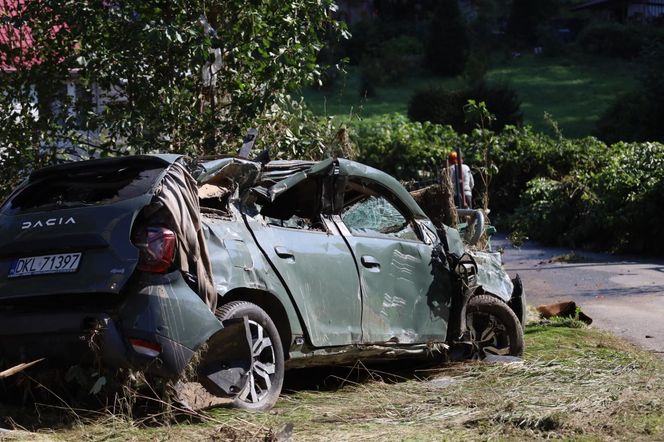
(65, 339)
(160, 309)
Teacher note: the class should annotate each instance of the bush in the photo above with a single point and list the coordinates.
(442, 106)
(404, 149)
(575, 192)
(623, 120)
(612, 39)
(501, 100)
(616, 204)
(638, 116)
(399, 56)
(554, 211)
(439, 106)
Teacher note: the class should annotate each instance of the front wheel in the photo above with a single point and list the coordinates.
(493, 327)
(264, 381)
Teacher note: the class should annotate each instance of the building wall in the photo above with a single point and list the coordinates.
(650, 9)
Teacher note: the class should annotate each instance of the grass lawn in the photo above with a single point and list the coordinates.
(575, 90)
(345, 98)
(574, 384)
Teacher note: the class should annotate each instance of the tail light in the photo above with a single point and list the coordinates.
(157, 249)
(145, 348)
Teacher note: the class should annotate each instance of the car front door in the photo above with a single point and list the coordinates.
(403, 300)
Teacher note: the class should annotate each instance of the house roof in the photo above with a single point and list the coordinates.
(601, 3)
(16, 36)
(18, 39)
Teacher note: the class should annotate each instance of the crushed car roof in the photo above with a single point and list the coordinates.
(284, 175)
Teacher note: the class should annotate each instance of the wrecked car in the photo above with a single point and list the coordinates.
(240, 270)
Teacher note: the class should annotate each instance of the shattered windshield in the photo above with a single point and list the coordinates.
(375, 215)
(83, 188)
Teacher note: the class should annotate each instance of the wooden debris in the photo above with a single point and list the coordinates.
(18, 368)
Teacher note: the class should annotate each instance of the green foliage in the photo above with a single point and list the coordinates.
(638, 115)
(442, 106)
(149, 56)
(575, 192)
(614, 202)
(527, 17)
(390, 62)
(502, 100)
(439, 106)
(404, 149)
(612, 39)
(447, 45)
(293, 131)
(400, 57)
(547, 205)
(623, 120)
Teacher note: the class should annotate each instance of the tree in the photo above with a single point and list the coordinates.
(527, 17)
(638, 115)
(146, 57)
(447, 46)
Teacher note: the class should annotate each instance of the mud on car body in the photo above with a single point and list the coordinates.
(256, 267)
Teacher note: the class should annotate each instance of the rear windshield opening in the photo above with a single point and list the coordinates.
(83, 188)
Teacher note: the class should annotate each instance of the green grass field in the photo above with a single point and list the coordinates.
(574, 90)
(345, 98)
(575, 383)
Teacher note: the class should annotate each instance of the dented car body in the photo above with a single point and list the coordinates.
(268, 266)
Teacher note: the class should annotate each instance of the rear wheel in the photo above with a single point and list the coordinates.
(264, 381)
(493, 327)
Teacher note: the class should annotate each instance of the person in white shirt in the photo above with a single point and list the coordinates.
(466, 182)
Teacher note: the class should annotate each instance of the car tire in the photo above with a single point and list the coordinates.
(263, 386)
(493, 327)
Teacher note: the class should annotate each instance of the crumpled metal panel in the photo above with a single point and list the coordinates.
(238, 263)
(404, 299)
(322, 279)
(242, 172)
(455, 245)
(290, 182)
(491, 275)
(280, 169)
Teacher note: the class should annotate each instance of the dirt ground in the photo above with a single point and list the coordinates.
(624, 295)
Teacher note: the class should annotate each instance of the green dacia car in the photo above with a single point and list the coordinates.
(239, 269)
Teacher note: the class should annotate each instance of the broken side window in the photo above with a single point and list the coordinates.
(374, 215)
(297, 208)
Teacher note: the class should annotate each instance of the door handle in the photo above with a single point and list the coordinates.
(283, 252)
(370, 262)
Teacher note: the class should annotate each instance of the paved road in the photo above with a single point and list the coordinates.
(622, 294)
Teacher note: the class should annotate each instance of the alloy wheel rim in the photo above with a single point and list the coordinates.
(488, 334)
(261, 376)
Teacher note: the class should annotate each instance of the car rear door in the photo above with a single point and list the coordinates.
(313, 261)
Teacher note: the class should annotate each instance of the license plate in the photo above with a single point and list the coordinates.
(45, 264)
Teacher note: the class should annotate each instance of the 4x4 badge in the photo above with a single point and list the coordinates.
(47, 223)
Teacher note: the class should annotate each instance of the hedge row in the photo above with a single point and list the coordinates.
(576, 192)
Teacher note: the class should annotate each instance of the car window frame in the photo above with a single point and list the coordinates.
(327, 230)
(379, 190)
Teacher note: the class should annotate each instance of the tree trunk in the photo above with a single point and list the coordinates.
(437, 201)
